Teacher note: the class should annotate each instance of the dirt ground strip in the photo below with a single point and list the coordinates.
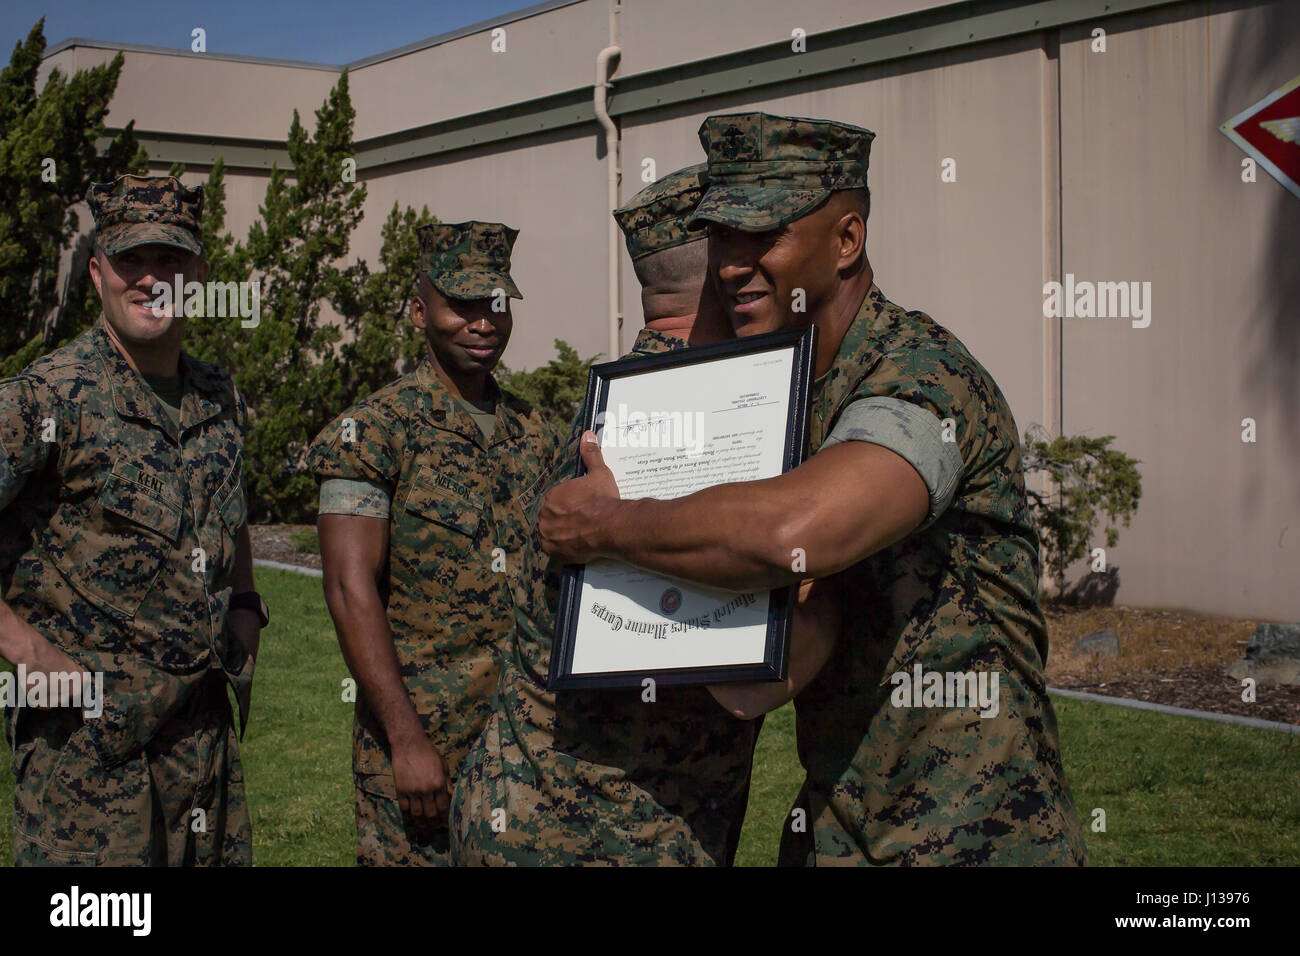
(1166, 656)
(271, 542)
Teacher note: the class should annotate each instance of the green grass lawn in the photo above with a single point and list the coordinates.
(297, 751)
(1175, 790)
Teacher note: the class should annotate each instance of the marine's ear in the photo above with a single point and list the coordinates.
(419, 310)
(850, 234)
(96, 274)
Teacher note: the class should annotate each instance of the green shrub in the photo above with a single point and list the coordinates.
(305, 541)
(293, 369)
(1088, 479)
(556, 389)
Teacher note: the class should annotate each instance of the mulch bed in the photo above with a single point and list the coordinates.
(1167, 656)
(271, 542)
(1200, 689)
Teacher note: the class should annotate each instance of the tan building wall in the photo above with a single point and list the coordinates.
(544, 54)
(1107, 165)
(1153, 192)
(927, 240)
(548, 190)
(675, 32)
(200, 95)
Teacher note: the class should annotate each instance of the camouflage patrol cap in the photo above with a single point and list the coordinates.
(655, 218)
(468, 260)
(767, 171)
(138, 210)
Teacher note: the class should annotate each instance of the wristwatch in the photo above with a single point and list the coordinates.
(251, 601)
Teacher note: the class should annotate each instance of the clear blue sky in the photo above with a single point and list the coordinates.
(324, 31)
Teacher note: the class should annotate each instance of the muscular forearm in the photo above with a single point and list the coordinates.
(367, 645)
(839, 507)
(729, 536)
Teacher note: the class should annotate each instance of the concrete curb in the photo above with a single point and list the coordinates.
(296, 568)
(1177, 711)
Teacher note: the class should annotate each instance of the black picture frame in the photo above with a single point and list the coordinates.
(803, 344)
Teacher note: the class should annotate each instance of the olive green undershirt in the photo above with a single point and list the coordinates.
(170, 391)
(484, 413)
(364, 498)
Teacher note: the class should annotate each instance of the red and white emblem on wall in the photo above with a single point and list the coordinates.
(1269, 132)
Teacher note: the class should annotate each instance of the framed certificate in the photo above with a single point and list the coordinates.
(670, 425)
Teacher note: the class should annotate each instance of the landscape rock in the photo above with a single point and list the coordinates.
(1274, 642)
(1100, 643)
(1272, 656)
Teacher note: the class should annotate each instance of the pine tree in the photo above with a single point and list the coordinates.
(48, 158)
(385, 344)
(287, 367)
(211, 337)
(293, 369)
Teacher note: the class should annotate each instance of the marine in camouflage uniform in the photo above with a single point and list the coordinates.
(447, 477)
(601, 776)
(956, 594)
(910, 785)
(108, 494)
(893, 784)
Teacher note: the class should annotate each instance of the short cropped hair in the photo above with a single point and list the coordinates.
(671, 269)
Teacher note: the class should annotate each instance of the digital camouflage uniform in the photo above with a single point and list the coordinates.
(469, 260)
(912, 785)
(456, 538)
(106, 505)
(655, 219)
(600, 776)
